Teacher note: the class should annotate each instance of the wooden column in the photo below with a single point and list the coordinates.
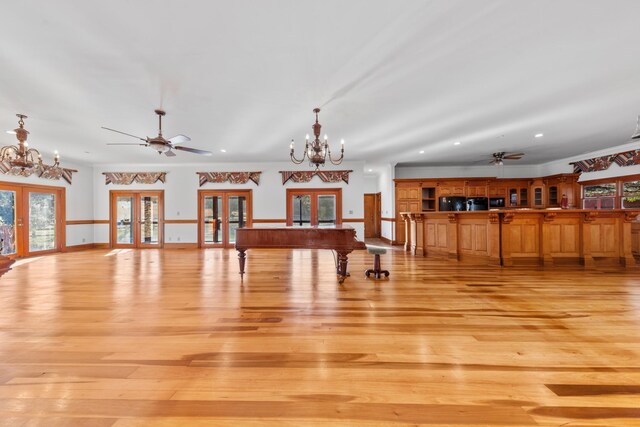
(545, 241)
(412, 233)
(420, 248)
(494, 239)
(626, 247)
(452, 238)
(407, 228)
(507, 261)
(585, 254)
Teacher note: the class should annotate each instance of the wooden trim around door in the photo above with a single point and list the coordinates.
(136, 194)
(22, 215)
(352, 220)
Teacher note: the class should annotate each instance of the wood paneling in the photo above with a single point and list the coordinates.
(635, 238)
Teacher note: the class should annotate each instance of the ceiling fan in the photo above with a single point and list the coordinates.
(159, 143)
(499, 157)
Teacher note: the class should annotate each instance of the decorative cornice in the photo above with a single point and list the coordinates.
(508, 217)
(128, 178)
(626, 158)
(231, 177)
(306, 176)
(45, 171)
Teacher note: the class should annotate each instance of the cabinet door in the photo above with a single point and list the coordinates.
(414, 193)
(415, 206)
(538, 200)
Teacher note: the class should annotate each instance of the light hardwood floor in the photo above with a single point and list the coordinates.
(163, 338)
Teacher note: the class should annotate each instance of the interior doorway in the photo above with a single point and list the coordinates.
(31, 219)
(137, 219)
(220, 213)
(372, 215)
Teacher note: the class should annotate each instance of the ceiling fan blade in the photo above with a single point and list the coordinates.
(125, 143)
(513, 156)
(179, 139)
(169, 153)
(194, 150)
(124, 133)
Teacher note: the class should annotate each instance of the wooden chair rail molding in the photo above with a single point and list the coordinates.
(511, 237)
(180, 221)
(86, 221)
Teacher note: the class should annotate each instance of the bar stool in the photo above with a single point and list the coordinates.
(376, 271)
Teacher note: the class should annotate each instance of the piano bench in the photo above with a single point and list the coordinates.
(376, 270)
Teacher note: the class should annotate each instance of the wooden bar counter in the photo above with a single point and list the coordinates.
(527, 236)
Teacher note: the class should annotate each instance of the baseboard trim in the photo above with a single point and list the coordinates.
(387, 241)
(181, 245)
(86, 247)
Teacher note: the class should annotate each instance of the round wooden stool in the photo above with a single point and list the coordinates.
(376, 271)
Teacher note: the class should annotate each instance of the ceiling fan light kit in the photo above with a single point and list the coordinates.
(160, 143)
(498, 158)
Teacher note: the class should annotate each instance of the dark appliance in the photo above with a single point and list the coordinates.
(496, 202)
(453, 204)
(477, 204)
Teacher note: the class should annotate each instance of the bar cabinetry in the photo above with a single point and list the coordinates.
(525, 237)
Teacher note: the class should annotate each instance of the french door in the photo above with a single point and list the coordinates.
(31, 219)
(137, 219)
(314, 207)
(220, 213)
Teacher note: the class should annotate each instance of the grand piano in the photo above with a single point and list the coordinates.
(341, 239)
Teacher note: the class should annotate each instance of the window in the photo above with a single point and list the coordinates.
(631, 194)
(599, 196)
(314, 207)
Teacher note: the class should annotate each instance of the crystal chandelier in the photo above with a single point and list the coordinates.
(317, 150)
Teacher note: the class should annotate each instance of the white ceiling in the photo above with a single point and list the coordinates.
(392, 77)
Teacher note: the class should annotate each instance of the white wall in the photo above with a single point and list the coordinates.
(370, 184)
(181, 193)
(386, 187)
(79, 200)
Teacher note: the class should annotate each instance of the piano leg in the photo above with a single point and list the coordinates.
(342, 266)
(241, 258)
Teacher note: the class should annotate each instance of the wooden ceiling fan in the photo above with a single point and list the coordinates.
(159, 143)
(499, 157)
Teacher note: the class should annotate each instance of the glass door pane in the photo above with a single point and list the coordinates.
(326, 210)
(42, 221)
(124, 220)
(7, 222)
(237, 215)
(212, 219)
(301, 210)
(149, 220)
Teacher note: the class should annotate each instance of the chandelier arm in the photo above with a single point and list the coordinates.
(339, 159)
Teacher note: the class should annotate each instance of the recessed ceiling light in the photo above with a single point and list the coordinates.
(456, 143)
(370, 170)
(421, 151)
(223, 150)
(11, 132)
(539, 135)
